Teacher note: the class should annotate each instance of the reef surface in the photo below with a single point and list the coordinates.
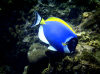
(21, 51)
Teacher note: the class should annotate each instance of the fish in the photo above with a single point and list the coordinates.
(56, 33)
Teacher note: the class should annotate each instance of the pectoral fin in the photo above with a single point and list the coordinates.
(52, 48)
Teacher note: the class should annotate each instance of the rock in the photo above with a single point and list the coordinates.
(94, 43)
(21, 38)
(97, 56)
(26, 39)
(47, 70)
(25, 70)
(88, 48)
(90, 19)
(79, 48)
(36, 52)
(35, 55)
(87, 14)
(80, 34)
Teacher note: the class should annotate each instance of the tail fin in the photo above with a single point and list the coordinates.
(37, 19)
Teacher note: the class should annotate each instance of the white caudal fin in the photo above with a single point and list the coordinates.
(37, 19)
(41, 35)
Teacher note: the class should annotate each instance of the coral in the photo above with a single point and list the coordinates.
(97, 56)
(95, 43)
(20, 45)
(47, 70)
(87, 14)
(36, 52)
(90, 19)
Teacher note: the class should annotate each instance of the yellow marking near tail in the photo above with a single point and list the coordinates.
(59, 20)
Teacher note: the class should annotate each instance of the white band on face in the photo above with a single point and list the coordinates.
(68, 39)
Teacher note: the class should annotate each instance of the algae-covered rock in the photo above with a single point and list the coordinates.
(90, 19)
(36, 52)
(20, 43)
(27, 39)
(25, 70)
(47, 70)
(97, 56)
(95, 43)
(87, 14)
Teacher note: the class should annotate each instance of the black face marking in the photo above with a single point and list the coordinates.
(66, 43)
(72, 44)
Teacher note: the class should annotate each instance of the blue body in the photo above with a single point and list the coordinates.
(57, 33)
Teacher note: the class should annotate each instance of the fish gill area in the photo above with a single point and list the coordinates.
(21, 51)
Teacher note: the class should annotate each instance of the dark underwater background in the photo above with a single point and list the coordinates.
(21, 51)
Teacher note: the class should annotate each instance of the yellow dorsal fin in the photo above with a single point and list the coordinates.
(42, 21)
(61, 21)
